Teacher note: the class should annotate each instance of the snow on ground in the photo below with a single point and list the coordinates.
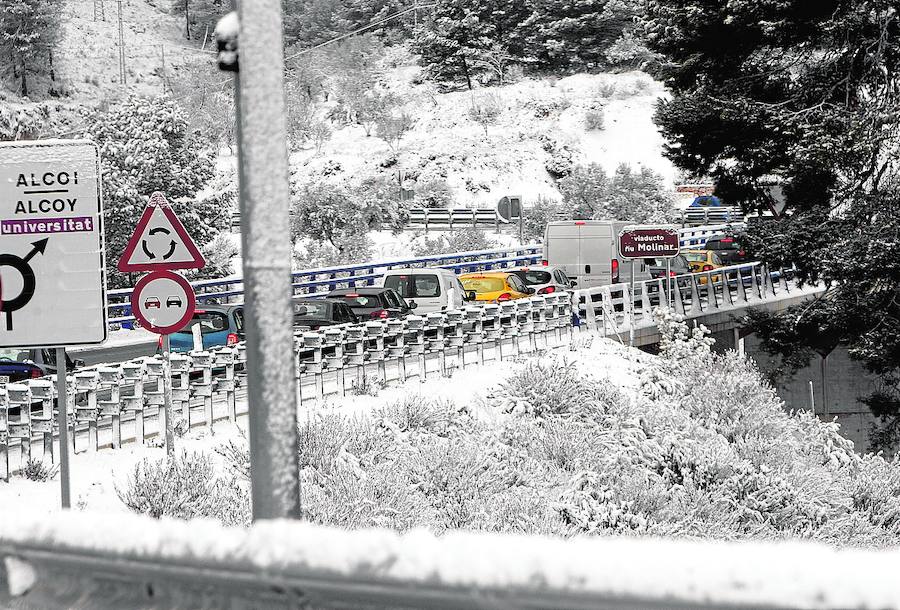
(95, 475)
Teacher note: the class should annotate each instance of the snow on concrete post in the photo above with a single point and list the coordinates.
(224, 358)
(20, 398)
(157, 372)
(42, 391)
(87, 412)
(110, 407)
(4, 433)
(133, 376)
(203, 388)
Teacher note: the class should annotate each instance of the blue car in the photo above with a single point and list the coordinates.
(18, 364)
(220, 325)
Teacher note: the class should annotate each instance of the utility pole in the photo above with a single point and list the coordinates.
(121, 46)
(165, 80)
(266, 245)
(187, 20)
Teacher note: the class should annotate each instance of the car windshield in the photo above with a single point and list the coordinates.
(209, 322)
(360, 300)
(483, 284)
(695, 257)
(17, 355)
(532, 278)
(316, 310)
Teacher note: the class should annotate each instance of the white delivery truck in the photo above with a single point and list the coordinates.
(587, 251)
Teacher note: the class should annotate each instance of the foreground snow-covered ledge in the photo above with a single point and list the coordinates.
(126, 559)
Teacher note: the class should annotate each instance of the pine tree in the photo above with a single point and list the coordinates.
(808, 92)
(29, 31)
(146, 146)
(576, 33)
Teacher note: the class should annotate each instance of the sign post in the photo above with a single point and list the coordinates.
(162, 301)
(648, 241)
(52, 268)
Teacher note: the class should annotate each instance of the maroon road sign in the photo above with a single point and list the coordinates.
(645, 241)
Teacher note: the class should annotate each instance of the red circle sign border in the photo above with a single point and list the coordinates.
(155, 275)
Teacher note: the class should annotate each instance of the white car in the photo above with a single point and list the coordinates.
(432, 289)
(545, 279)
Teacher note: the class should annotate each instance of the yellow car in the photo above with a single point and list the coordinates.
(703, 260)
(495, 286)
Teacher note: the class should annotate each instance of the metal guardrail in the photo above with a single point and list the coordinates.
(125, 561)
(313, 282)
(448, 219)
(112, 404)
(715, 215)
(615, 309)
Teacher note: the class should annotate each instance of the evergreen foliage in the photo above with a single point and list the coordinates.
(808, 93)
(146, 146)
(29, 31)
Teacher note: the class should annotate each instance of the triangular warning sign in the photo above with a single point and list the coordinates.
(160, 241)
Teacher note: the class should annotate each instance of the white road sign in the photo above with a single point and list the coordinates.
(52, 269)
(163, 302)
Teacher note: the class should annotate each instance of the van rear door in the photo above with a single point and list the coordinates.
(561, 244)
(597, 251)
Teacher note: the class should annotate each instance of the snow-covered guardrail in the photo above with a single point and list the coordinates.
(128, 561)
(118, 403)
(616, 309)
(325, 279)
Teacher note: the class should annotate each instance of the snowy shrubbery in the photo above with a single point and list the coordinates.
(461, 240)
(687, 444)
(185, 486)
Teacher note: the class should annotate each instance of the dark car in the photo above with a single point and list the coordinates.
(375, 303)
(729, 249)
(317, 313)
(18, 364)
(219, 325)
(677, 266)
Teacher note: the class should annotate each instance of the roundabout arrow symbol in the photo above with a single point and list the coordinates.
(20, 264)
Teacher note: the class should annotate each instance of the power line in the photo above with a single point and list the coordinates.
(359, 30)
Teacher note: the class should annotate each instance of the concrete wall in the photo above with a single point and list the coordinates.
(847, 380)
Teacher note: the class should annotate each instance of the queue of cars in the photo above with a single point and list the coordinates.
(587, 252)
(578, 253)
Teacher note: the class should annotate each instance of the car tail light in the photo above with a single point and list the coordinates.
(579, 222)
(615, 271)
(547, 290)
(381, 314)
(545, 263)
(741, 252)
(504, 297)
(672, 274)
(231, 339)
(199, 311)
(351, 295)
(159, 342)
(727, 240)
(707, 267)
(35, 373)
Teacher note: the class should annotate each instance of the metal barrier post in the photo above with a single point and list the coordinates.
(265, 239)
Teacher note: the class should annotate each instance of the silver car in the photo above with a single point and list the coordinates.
(545, 279)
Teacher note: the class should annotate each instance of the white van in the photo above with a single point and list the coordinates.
(587, 251)
(430, 288)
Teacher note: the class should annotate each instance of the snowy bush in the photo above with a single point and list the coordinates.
(461, 240)
(37, 470)
(539, 388)
(185, 486)
(593, 120)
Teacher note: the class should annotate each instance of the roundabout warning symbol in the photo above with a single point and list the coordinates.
(52, 272)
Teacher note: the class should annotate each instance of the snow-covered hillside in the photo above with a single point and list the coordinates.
(539, 119)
